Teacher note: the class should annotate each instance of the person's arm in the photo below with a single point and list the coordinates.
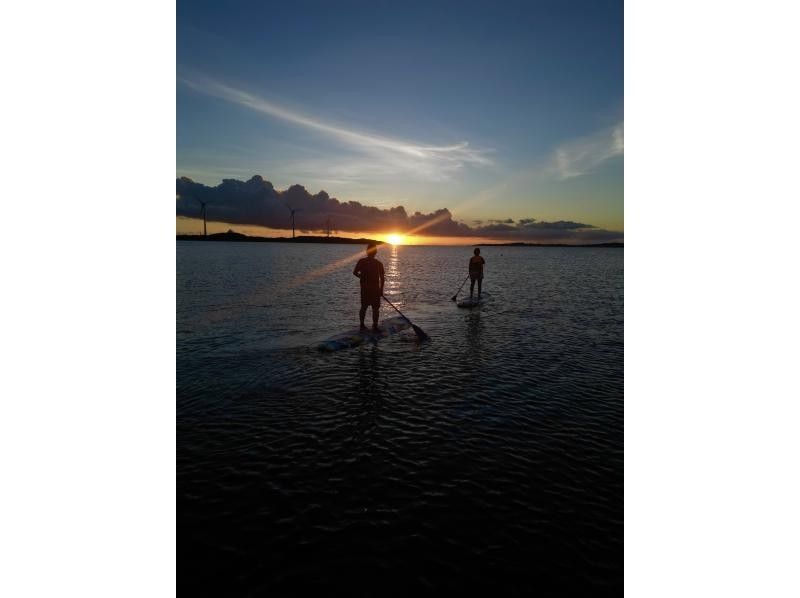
(357, 269)
(383, 278)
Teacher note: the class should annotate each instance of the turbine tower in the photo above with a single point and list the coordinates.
(203, 213)
(293, 210)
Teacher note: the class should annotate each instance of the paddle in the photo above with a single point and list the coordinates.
(453, 298)
(417, 330)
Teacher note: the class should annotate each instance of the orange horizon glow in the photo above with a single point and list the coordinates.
(194, 226)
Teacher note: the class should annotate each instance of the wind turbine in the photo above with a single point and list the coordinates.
(203, 212)
(293, 210)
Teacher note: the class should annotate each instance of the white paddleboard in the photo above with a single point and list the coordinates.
(356, 337)
(475, 301)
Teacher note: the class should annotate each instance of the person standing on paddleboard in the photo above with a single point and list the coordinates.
(370, 271)
(476, 263)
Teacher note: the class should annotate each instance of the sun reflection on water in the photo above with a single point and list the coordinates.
(392, 270)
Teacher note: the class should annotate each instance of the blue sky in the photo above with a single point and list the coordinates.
(494, 112)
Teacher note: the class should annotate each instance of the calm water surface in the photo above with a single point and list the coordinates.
(490, 458)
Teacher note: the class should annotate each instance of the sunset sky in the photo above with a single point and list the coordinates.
(493, 122)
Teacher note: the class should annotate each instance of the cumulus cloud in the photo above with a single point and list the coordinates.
(532, 223)
(583, 155)
(257, 202)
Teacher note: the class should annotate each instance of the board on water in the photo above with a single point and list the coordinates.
(474, 302)
(354, 338)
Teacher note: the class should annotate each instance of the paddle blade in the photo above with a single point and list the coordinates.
(453, 298)
(420, 333)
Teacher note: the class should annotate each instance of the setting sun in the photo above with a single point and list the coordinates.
(395, 239)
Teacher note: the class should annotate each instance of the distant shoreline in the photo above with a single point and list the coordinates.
(618, 245)
(232, 236)
(239, 237)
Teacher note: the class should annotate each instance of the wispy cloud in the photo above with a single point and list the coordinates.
(388, 154)
(583, 155)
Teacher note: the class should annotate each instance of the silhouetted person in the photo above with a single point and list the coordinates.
(370, 271)
(476, 263)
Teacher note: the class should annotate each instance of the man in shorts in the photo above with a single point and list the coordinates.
(370, 271)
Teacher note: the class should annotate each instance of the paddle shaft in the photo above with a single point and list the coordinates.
(417, 330)
(453, 298)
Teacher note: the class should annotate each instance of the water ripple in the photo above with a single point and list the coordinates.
(490, 457)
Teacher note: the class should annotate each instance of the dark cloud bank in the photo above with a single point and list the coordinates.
(257, 202)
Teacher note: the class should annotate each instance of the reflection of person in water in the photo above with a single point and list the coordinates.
(370, 271)
(476, 263)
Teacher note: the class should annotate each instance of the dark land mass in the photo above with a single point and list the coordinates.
(234, 236)
(616, 244)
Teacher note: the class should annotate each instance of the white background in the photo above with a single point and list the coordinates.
(87, 420)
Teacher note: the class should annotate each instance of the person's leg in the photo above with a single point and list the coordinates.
(376, 306)
(471, 285)
(362, 312)
(480, 284)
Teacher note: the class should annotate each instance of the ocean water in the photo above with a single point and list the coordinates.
(487, 459)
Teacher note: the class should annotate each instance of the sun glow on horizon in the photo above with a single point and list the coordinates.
(396, 239)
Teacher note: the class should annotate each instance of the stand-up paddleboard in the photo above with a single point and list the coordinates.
(353, 338)
(474, 302)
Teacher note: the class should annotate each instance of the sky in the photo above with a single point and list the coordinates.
(440, 120)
